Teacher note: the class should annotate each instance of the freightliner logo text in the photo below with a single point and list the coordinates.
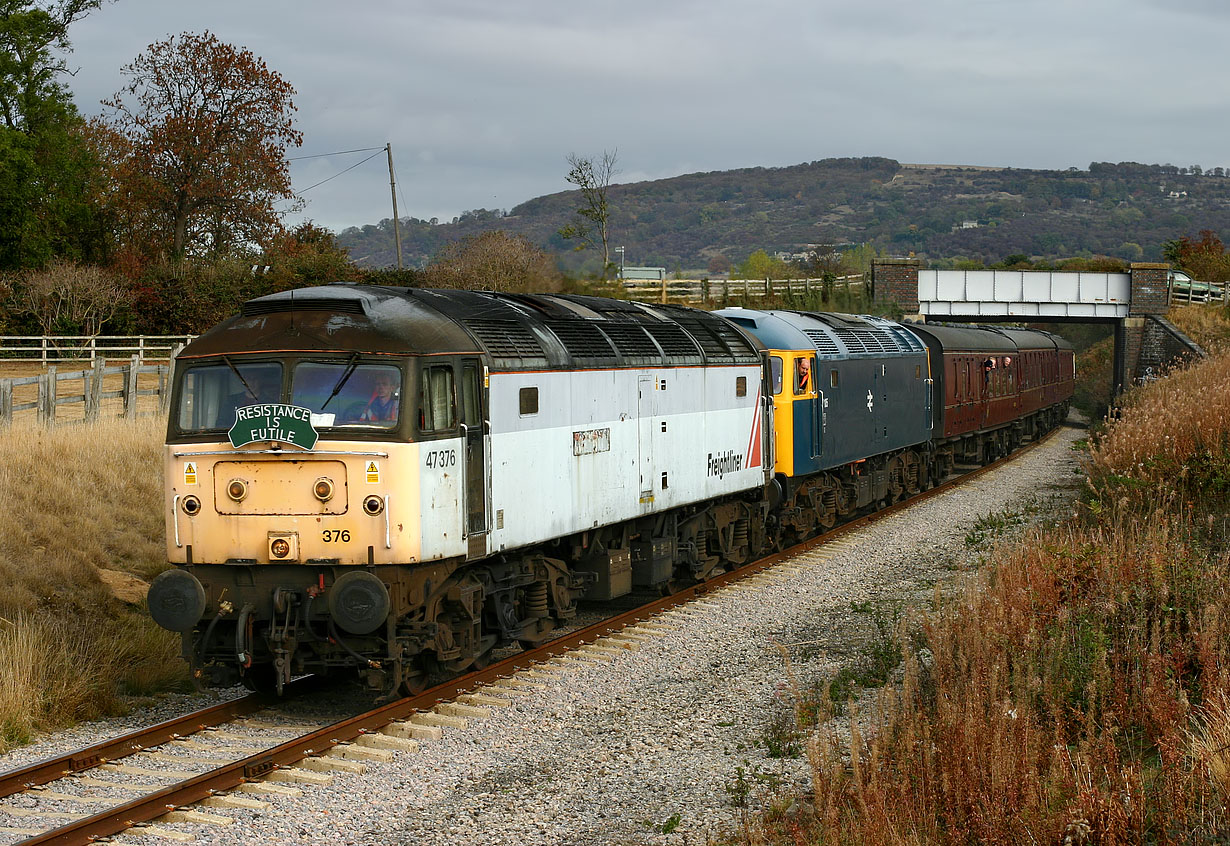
(727, 462)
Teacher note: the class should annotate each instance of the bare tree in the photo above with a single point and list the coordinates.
(493, 261)
(68, 298)
(592, 224)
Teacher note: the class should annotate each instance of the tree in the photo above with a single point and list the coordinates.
(1205, 260)
(493, 261)
(198, 143)
(68, 298)
(46, 169)
(760, 265)
(592, 224)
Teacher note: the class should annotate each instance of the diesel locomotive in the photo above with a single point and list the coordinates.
(393, 481)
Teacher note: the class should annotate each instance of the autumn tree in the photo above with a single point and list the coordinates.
(198, 141)
(1204, 259)
(493, 261)
(592, 224)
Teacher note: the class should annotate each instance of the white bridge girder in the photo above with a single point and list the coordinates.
(1027, 294)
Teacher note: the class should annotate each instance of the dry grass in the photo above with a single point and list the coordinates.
(1077, 691)
(1205, 324)
(77, 500)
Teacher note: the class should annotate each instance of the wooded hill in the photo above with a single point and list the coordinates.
(939, 213)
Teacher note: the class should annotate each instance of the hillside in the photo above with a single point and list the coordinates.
(937, 212)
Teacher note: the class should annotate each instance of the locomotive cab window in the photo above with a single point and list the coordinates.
(345, 394)
(210, 393)
(802, 375)
(775, 366)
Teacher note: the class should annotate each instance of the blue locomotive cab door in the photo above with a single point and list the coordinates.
(808, 415)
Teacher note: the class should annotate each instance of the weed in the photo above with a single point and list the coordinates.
(668, 825)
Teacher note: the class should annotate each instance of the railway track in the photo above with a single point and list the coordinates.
(237, 774)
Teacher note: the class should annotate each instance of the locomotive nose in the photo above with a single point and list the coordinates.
(176, 600)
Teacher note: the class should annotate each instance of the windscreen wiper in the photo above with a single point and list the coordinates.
(235, 370)
(350, 366)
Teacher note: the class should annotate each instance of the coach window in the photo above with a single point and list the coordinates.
(528, 401)
(436, 411)
(775, 368)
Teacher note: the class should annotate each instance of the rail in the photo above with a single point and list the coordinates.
(54, 349)
(710, 290)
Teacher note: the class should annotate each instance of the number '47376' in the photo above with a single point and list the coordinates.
(439, 458)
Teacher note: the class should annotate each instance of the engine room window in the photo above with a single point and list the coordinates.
(741, 386)
(209, 394)
(529, 401)
(833, 379)
(342, 394)
(917, 371)
(436, 412)
(775, 368)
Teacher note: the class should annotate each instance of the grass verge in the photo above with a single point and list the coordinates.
(80, 526)
(1078, 690)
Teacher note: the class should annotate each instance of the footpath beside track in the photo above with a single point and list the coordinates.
(565, 707)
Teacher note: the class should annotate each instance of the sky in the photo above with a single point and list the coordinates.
(483, 100)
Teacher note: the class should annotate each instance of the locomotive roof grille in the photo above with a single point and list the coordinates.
(825, 345)
(867, 340)
(631, 340)
(280, 306)
(675, 342)
(582, 340)
(508, 341)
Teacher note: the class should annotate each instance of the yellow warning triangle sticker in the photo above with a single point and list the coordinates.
(190, 473)
(373, 473)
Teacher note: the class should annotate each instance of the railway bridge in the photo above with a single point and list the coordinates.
(1136, 303)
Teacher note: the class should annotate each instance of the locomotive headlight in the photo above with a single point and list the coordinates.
(373, 505)
(283, 546)
(191, 505)
(237, 489)
(323, 489)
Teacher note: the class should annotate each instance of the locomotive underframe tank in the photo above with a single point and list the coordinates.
(539, 450)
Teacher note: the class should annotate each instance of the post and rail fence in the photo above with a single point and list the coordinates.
(54, 349)
(115, 390)
(720, 290)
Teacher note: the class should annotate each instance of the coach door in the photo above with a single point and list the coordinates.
(473, 408)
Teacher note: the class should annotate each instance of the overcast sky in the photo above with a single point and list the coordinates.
(482, 100)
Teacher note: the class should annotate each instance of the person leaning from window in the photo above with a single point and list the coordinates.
(802, 375)
(384, 401)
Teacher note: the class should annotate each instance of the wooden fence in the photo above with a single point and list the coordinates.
(95, 389)
(710, 290)
(54, 349)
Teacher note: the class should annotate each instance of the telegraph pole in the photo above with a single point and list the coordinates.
(388, 148)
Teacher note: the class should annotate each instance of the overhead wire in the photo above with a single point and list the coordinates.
(379, 150)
